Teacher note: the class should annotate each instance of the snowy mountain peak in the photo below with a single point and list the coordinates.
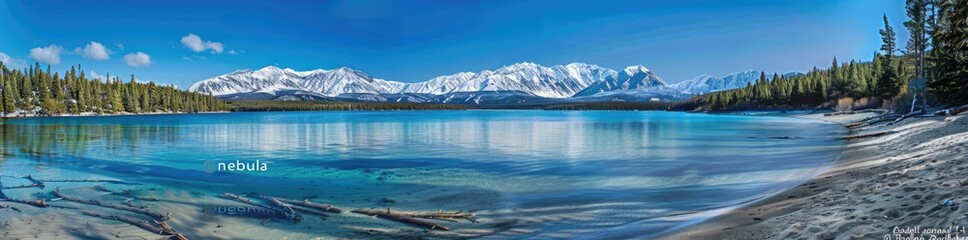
(632, 70)
(581, 65)
(346, 70)
(270, 68)
(521, 65)
(706, 83)
(641, 77)
(703, 76)
(631, 78)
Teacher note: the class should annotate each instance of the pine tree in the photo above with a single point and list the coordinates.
(117, 105)
(114, 98)
(97, 95)
(26, 91)
(950, 53)
(80, 97)
(888, 84)
(917, 11)
(838, 85)
(858, 85)
(8, 93)
(43, 84)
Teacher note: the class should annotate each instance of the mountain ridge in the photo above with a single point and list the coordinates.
(521, 81)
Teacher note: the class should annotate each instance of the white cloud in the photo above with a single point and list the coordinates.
(138, 59)
(119, 45)
(95, 51)
(10, 62)
(194, 57)
(49, 54)
(215, 46)
(196, 44)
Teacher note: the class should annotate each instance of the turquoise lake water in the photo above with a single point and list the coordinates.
(545, 174)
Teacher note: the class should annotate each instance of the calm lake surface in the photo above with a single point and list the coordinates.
(545, 174)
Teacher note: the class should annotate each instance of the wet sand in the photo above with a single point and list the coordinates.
(881, 188)
(199, 216)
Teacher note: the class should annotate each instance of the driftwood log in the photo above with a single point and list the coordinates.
(171, 232)
(859, 136)
(869, 120)
(882, 118)
(130, 208)
(908, 115)
(304, 209)
(952, 111)
(133, 221)
(308, 204)
(85, 181)
(855, 112)
(402, 218)
(25, 186)
(33, 183)
(441, 215)
(286, 211)
(279, 203)
(41, 183)
(156, 227)
(35, 203)
(127, 193)
(287, 206)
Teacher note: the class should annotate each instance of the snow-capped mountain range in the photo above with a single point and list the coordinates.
(633, 77)
(518, 83)
(272, 79)
(706, 83)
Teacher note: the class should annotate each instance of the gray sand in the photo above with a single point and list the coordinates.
(880, 185)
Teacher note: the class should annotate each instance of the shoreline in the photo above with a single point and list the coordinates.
(500, 219)
(877, 184)
(108, 115)
(845, 199)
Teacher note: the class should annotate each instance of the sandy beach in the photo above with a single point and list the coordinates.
(886, 187)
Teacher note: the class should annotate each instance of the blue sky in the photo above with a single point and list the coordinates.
(182, 42)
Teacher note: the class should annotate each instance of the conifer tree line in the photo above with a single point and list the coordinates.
(38, 91)
(948, 58)
(937, 52)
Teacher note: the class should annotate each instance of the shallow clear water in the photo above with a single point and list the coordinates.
(549, 174)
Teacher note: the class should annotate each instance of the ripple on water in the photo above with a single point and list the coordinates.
(526, 173)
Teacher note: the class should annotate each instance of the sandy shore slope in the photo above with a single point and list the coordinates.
(881, 188)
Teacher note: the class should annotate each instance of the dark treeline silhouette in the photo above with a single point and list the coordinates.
(34, 91)
(947, 61)
(816, 88)
(936, 53)
(377, 106)
(624, 106)
(269, 105)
